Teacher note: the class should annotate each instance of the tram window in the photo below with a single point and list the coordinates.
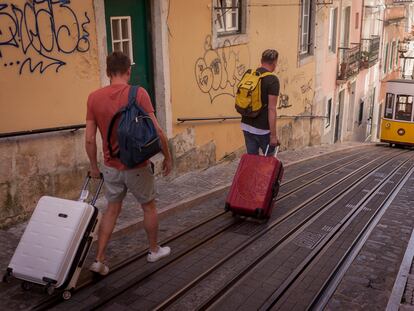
(403, 108)
(389, 105)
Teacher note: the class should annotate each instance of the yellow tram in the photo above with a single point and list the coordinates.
(397, 124)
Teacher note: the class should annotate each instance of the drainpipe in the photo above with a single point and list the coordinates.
(362, 20)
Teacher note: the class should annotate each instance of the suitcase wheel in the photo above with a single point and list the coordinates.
(7, 277)
(67, 294)
(49, 289)
(259, 213)
(275, 189)
(26, 285)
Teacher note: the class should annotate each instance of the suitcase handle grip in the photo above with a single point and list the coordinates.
(84, 192)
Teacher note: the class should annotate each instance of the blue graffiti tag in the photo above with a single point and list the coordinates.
(36, 31)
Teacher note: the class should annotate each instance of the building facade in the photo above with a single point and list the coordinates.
(347, 68)
(188, 54)
(334, 56)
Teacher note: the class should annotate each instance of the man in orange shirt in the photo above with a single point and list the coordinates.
(102, 106)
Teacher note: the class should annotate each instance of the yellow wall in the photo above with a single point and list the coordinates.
(200, 91)
(45, 74)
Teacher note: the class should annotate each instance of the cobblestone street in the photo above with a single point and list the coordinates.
(369, 281)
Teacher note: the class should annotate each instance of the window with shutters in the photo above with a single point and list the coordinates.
(230, 22)
(307, 27)
(333, 24)
(228, 16)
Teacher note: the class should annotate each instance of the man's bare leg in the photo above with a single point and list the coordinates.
(106, 227)
(151, 224)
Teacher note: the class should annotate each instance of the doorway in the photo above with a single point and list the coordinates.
(128, 29)
(338, 113)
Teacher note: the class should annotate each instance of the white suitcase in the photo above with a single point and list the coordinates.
(56, 242)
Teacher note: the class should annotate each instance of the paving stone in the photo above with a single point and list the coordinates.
(169, 192)
(376, 262)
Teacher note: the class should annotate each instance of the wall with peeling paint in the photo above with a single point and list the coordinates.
(43, 164)
(48, 66)
(201, 79)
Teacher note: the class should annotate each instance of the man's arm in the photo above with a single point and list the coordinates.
(272, 119)
(91, 149)
(167, 165)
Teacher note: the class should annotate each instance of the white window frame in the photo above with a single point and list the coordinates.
(396, 54)
(329, 109)
(346, 26)
(391, 60)
(306, 18)
(385, 58)
(333, 29)
(230, 36)
(121, 39)
(224, 20)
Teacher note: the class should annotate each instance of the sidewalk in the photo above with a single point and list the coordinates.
(178, 194)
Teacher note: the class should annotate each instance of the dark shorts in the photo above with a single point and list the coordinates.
(256, 142)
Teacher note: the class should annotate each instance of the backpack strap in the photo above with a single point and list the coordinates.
(248, 71)
(265, 74)
(132, 97)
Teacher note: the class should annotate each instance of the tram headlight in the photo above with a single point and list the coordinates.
(401, 132)
(387, 125)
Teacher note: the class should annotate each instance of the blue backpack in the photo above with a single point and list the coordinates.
(138, 139)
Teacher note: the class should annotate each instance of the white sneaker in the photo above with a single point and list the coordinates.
(99, 267)
(161, 253)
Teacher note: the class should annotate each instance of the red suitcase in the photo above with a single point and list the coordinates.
(254, 186)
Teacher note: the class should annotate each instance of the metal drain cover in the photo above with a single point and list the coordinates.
(308, 239)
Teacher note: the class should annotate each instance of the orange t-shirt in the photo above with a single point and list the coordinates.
(103, 104)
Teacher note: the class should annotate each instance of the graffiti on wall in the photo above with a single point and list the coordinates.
(303, 90)
(218, 71)
(296, 89)
(282, 73)
(43, 31)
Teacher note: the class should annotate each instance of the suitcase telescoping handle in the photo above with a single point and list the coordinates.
(276, 150)
(85, 193)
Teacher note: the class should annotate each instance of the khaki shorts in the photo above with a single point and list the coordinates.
(139, 181)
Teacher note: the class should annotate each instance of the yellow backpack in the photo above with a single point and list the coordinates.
(248, 97)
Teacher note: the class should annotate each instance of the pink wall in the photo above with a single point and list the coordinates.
(355, 33)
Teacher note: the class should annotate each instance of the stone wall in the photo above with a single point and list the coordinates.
(36, 165)
(56, 163)
(299, 132)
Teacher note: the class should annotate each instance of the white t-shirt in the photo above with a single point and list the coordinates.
(253, 130)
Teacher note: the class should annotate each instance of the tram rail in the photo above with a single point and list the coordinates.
(221, 290)
(226, 223)
(350, 154)
(275, 301)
